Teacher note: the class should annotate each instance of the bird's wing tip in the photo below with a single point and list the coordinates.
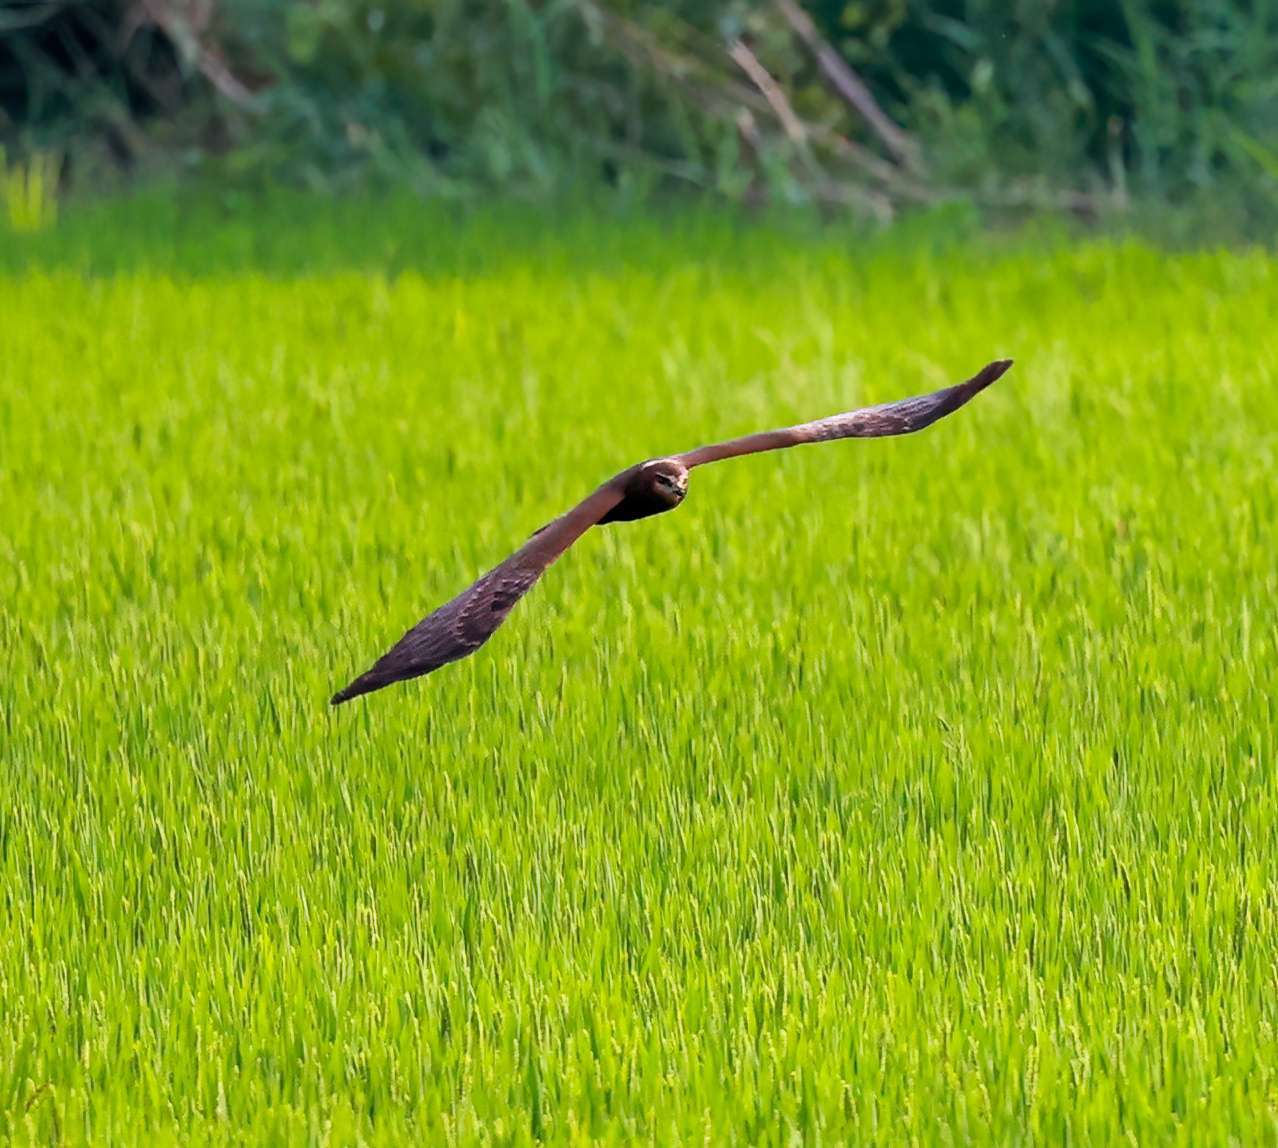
(996, 370)
(986, 376)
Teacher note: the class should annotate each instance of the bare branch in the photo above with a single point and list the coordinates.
(748, 62)
(721, 96)
(851, 87)
(187, 26)
(712, 89)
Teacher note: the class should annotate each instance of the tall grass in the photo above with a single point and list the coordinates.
(29, 192)
(908, 791)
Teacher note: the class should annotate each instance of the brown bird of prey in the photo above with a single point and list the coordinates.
(461, 626)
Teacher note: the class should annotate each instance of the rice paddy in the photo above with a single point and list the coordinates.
(906, 791)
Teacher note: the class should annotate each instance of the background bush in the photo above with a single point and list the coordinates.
(1093, 100)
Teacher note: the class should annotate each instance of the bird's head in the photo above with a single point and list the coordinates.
(664, 479)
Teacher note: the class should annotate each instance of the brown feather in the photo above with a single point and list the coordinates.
(461, 626)
(905, 416)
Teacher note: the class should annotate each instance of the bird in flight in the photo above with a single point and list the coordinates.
(460, 627)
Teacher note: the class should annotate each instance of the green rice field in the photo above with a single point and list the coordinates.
(913, 791)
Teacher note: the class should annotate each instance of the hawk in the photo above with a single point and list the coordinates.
(460, 627)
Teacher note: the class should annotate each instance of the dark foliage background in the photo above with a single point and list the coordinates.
(1082, 103)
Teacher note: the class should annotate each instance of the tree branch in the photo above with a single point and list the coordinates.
(851, 87)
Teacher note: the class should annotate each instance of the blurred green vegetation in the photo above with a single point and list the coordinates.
(1085, 104)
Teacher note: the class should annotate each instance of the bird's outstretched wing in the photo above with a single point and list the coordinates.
(461, 626)
(901, 417)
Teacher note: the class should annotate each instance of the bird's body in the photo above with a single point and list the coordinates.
(655, 486)
(462, 625)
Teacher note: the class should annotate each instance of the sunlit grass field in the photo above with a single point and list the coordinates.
(910, 791)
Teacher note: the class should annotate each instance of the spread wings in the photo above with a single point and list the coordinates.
(461, 626)
(901, 417)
